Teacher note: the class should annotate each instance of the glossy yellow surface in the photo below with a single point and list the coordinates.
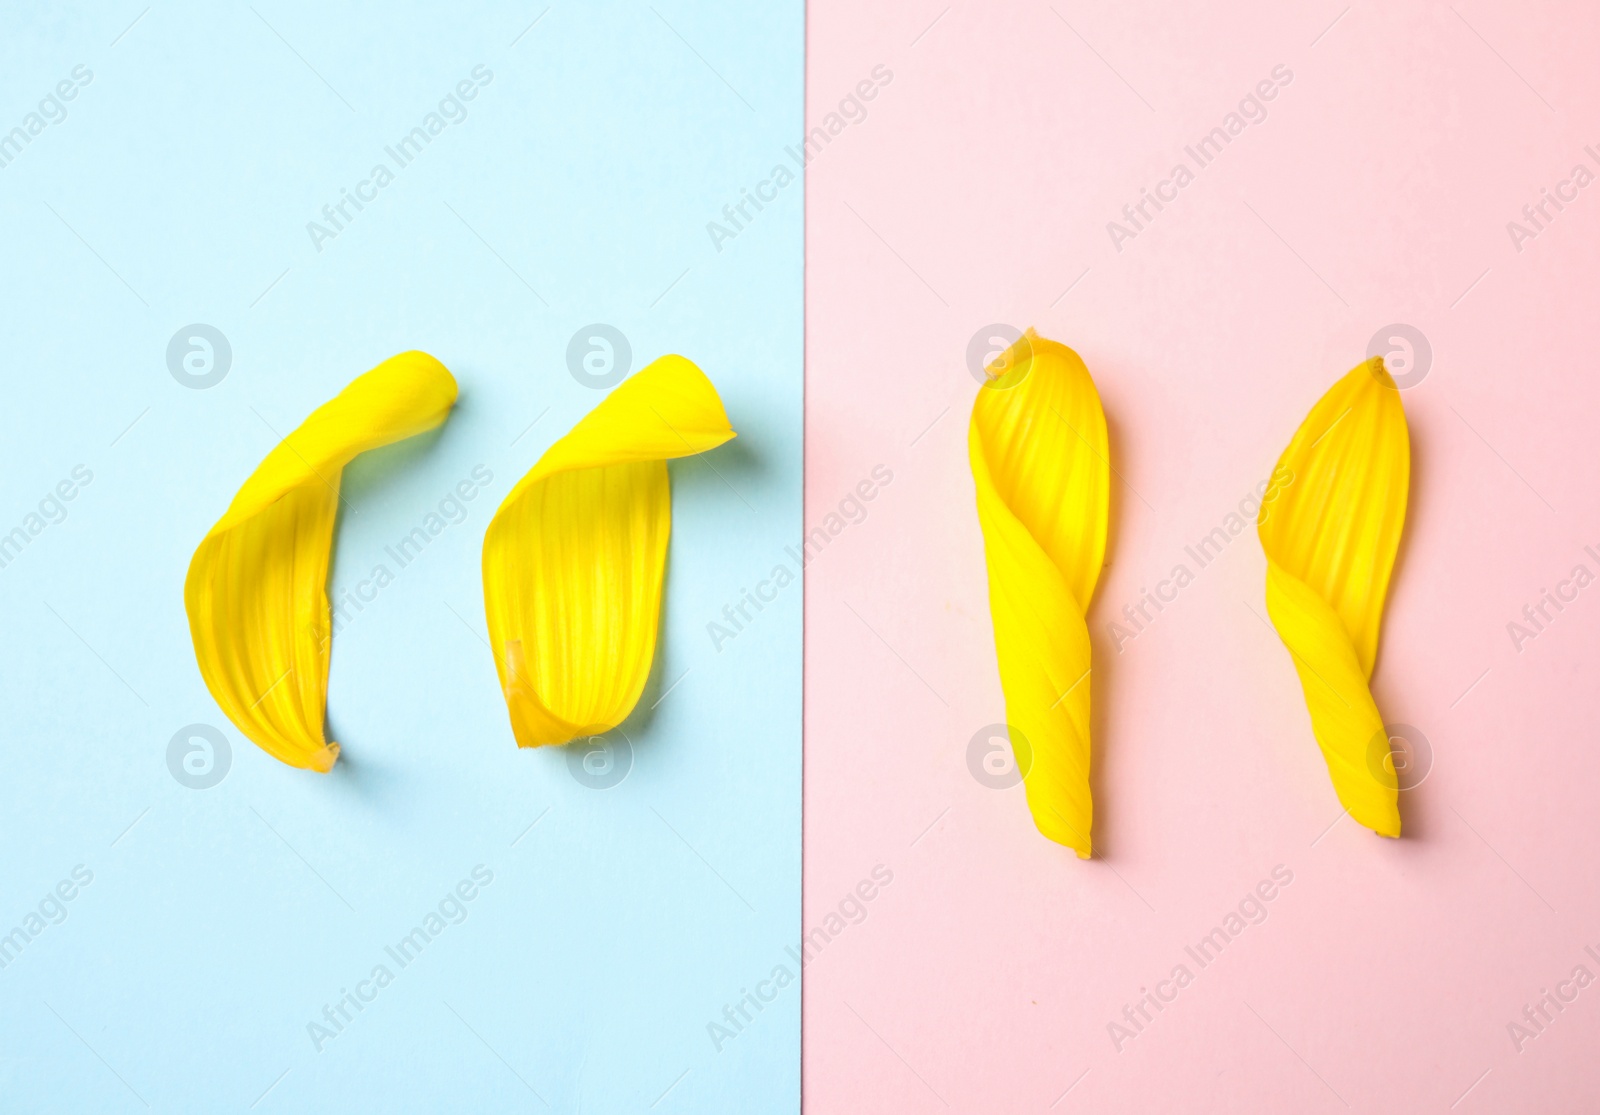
(256, 591)
(1330, 538)
(1040, 463)
(573, 560)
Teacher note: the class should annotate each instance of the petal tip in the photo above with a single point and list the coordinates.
(1378, 370)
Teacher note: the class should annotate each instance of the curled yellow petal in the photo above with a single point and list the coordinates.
(573, 559)
(1330, 526)
(256, 592)
(1040, 464)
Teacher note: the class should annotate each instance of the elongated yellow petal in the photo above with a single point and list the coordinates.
(256, 593)
(1330, 534)
(573, 560)
(1040, 463)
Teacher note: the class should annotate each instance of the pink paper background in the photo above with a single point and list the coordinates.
(1377, 190)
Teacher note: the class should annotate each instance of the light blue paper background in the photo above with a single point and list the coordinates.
(220, 921)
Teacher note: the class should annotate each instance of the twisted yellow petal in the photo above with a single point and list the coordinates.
(1040, 464)
(573, 560)
(256, 591)
(1330, 537)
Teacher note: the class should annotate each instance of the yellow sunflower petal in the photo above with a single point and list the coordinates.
(256, 592)
(1040, 463)
(573, 560)
(1330, 536)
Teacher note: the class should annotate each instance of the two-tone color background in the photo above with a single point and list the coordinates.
(973, 169)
